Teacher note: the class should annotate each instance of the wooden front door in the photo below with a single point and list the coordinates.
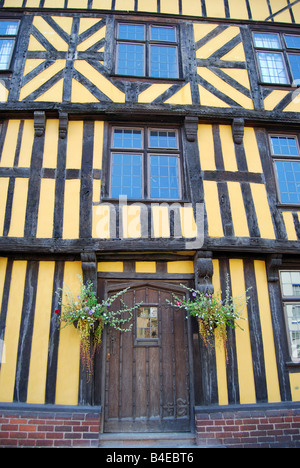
(147, 372)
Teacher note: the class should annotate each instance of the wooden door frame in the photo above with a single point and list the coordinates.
(124, 282)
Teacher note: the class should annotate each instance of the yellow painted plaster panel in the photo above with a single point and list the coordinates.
(209, 99)
(26, 144)
(242, 337)
(228, 149)
(267, 332)
(296, 12)
(97, 36)
(186, 267)
(81, 94)
(217, 42)
(215, 9)
(289, 225)
(10, 144)
(252, 151)
(77, 4)
(236, 54)
(13, 3)
(212, 205)
(153, 92)
(32, 3)
(127, 5)
(101, 222)
(160, 218)
(51, 143)
(18, 214)
(54, 94)
(100, 81)
(262, 209)
(65, 22)
(40, 336)
(74, 146)
(145, 267)
(238, 212)
(48, 32)
(206, 147)
(219, 348)
(182, 97)
(4, 181)
(71, 209)
(98, 145)
(67, 379)
(42, 78)
(284, 16)
(131, 217)
(102, 4)
(35, 45)
(238, 9)
(169, 6)
(295, 386)
(46, 209)
(294, 105)
(225, 88)
(3, 264)
(114, 267)
(271, 101)
(201, 30)
(188, 224)
(12, 330)
(148, 5)
(58, 3)
(259, 9)
(191, 7)
(3, 93)
(241, 76)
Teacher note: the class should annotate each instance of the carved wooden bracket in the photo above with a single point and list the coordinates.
(238, 126)
(203, 272)
(89, 268)
(63, 124)
(274, 262)
(39, 123)
(191, 127)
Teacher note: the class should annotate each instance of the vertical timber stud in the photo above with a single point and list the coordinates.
(89, 272)
(274, 262)
(203, 282)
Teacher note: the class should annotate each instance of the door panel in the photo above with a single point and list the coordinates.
(147, 382)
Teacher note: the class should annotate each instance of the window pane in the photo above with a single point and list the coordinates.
(159, 33)
(6, 46)
(288, 175)
(8, 28)
(126, 175)
(295, 65)
(130, 59)
(127, 138)
(147, 323)
(267, 41)
(134, 32)
(163, 139)
(272, 68)
(290, 283)
(292, 41)
(286, 146)
(164, 62)
(293, 323)
(164, 177)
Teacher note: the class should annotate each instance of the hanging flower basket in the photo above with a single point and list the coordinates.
(213, 314)
(90, 317)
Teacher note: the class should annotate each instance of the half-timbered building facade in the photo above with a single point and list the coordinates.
(150, 144)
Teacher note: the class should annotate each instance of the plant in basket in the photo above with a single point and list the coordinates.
(214, 314)
(90, 316)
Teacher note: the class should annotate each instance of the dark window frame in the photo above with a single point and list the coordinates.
(148, 42)
(289, 300)
(284, 158)
(283, 50)
(146, 151)
(11, 37)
